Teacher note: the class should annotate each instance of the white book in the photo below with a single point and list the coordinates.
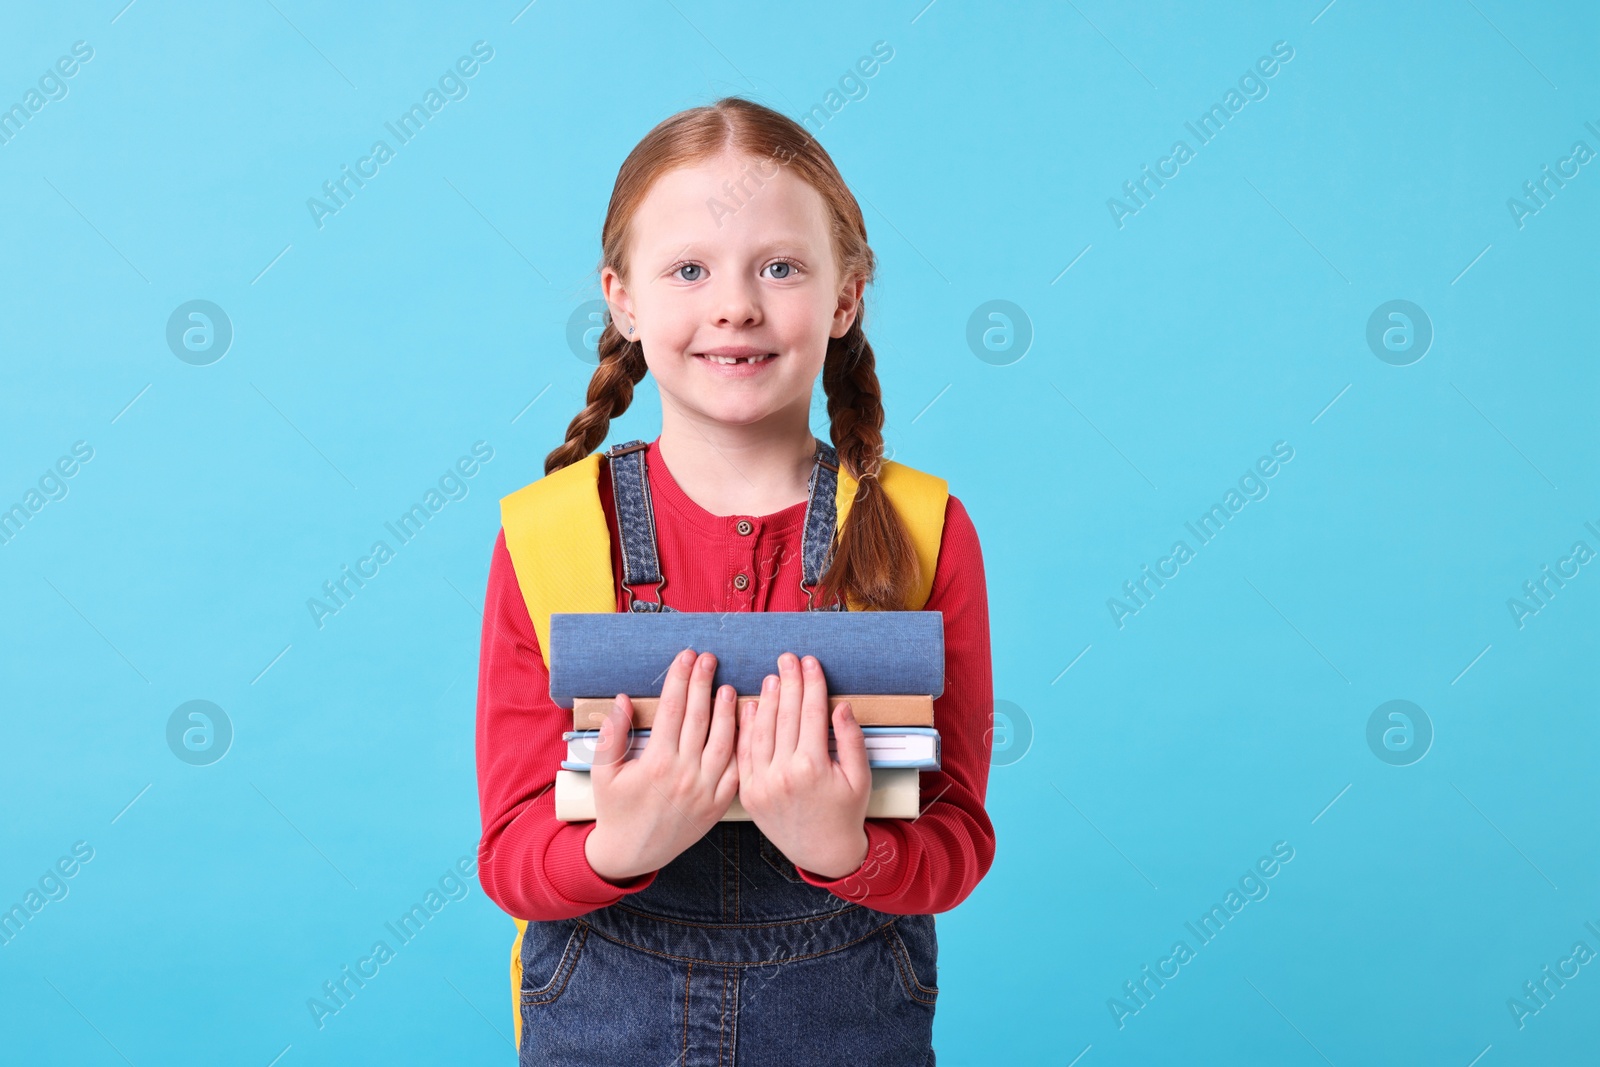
(896, 794)
(887, 746)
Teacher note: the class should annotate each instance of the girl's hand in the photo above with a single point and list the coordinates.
(650, 808)
(809, 805)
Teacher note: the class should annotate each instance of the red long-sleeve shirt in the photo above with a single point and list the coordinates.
(533, 865)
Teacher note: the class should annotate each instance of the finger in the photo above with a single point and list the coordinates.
(697, 713)
(727, 787)
(719, 742)
(743, 747)
(615, 736)
(813, 708)
(852, 748)
(787, 733)
(763, 722)
(669, 713)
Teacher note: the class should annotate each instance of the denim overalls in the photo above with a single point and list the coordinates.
(727, 957)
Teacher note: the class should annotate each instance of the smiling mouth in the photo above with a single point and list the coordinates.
(731, 360)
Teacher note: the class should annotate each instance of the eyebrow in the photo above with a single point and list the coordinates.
(784, 243)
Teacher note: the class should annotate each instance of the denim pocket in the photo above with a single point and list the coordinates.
(547, 961)
(914, 944)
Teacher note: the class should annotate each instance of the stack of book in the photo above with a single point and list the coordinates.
(888, 664)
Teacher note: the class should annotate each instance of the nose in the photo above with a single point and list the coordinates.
(737, 304)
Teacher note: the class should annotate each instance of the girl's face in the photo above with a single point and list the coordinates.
(733, 253)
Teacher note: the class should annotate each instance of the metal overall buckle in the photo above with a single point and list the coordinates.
(657, 602)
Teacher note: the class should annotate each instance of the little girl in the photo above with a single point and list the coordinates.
(734, 260)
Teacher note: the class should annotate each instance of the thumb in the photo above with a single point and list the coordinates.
(852, 748)
(615, 737)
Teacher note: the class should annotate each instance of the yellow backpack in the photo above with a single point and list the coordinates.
(560, 546)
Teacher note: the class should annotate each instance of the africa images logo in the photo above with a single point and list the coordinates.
(452, 85)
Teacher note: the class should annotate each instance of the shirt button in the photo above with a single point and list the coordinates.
(744, 526)
(740, 581)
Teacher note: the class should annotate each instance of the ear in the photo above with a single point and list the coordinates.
(844, 316)
(616, 295)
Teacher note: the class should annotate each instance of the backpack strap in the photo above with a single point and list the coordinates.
(560, 545)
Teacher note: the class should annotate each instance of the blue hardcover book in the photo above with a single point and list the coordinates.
(601, 654)
(887, 746)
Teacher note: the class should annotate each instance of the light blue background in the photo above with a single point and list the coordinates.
(1226, 315)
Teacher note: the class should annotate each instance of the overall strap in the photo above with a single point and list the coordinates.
(636, 524)
(817, 542)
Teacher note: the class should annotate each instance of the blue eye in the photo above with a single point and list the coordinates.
(788, 267)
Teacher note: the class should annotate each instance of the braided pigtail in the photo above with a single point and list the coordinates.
(622, 366)
(874, 557)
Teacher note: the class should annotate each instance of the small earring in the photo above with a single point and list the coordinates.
(630, 331)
